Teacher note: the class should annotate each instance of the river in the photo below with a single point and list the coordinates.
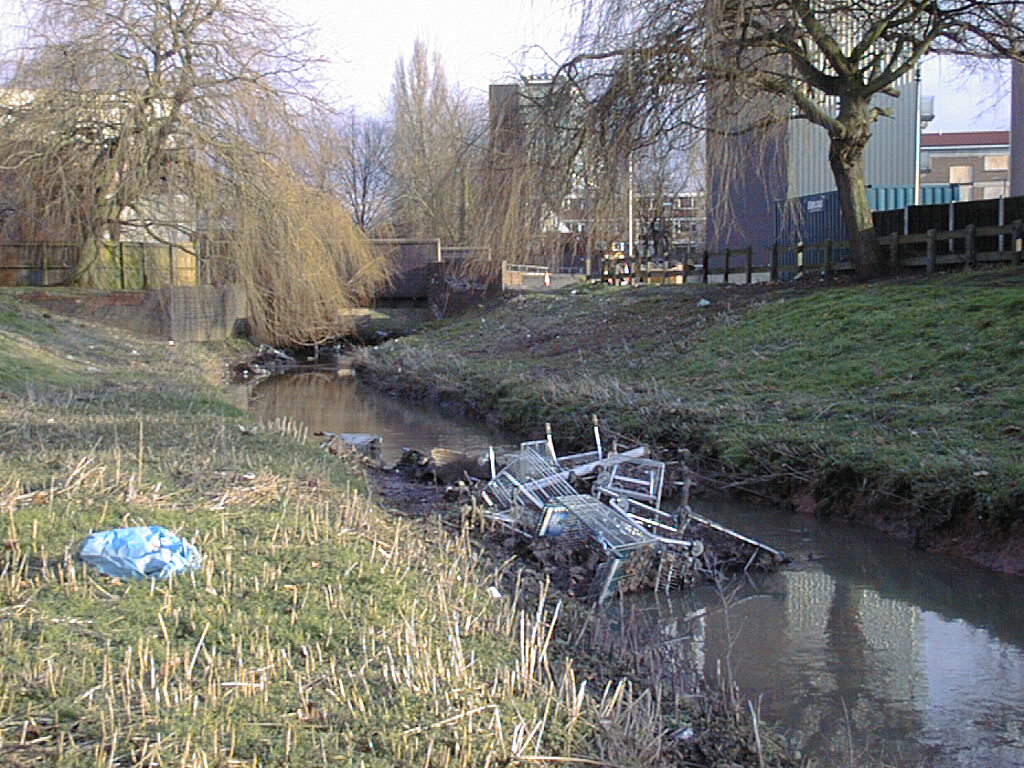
(912, 657)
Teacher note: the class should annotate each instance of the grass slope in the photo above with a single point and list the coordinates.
(320, 630)
(900, 401)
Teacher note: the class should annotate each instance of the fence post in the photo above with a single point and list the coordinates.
(930, 252)
(894, 251)
(725, 268)
(829, 245)
(1018, 245)
(800, 259)
(705, 264)
(773, 274)
(46, 266)
(1002, 223)
(971, 255)
(120, 261)
(750, 264)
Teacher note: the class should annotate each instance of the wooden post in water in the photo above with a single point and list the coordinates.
(930, 252)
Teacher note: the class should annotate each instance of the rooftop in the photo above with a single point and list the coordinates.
(966, 139)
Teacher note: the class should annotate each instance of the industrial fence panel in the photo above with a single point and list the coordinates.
(113, 266)
(37, 264)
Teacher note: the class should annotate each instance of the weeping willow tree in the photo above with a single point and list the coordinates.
(738, 70)
(181, 122)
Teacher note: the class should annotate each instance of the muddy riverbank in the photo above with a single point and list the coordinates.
(899, 404)
(859, 643)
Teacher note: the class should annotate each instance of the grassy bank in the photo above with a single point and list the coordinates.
(901, 403)
(320, 630)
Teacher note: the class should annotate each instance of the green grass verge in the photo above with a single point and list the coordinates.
(910, 392)
(320, 629)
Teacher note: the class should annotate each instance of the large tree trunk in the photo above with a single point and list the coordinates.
(846, 156)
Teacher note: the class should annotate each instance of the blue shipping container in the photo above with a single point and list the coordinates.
(819, 218)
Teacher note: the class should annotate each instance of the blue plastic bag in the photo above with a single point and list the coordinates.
(138, 553)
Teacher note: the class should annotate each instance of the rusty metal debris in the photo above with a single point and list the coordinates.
(612, 503)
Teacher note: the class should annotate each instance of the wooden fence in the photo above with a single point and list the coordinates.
(125, 266)
(968, 247)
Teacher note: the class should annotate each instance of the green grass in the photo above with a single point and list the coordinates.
(320, 630)
(915, 388)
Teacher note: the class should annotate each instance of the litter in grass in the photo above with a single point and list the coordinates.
(138, 553)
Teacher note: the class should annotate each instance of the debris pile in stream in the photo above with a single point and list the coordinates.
(595, 520)
(600, 516)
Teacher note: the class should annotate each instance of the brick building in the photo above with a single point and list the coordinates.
(977, 161)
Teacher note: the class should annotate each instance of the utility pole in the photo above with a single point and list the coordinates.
(917, 136)
(629, 210)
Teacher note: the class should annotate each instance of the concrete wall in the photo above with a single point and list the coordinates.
(203, 312)
(182, 313)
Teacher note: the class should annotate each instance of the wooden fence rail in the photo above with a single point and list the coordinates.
(961, 247)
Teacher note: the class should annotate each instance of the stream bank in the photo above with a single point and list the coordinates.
(320, 628)
(861, 646)
(899, 404)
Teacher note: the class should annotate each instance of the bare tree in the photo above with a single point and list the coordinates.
(736, 68)
(177, 120)
(364, 175)
(438, 144)
(351, 157)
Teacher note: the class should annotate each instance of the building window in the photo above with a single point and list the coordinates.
(997, 162)
(961, 174)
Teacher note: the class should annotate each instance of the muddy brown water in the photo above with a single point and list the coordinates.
(916, 658)
(327, 402)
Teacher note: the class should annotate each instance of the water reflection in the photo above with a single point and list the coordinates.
(326, 402)
(918, 656)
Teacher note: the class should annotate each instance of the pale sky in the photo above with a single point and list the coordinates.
(480, 42)
(483, 41)
(963, 102)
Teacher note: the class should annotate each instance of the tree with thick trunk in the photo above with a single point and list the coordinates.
(736, 68)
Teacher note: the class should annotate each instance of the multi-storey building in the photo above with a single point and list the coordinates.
(666, 227)
(792, 162)
(978, 162)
